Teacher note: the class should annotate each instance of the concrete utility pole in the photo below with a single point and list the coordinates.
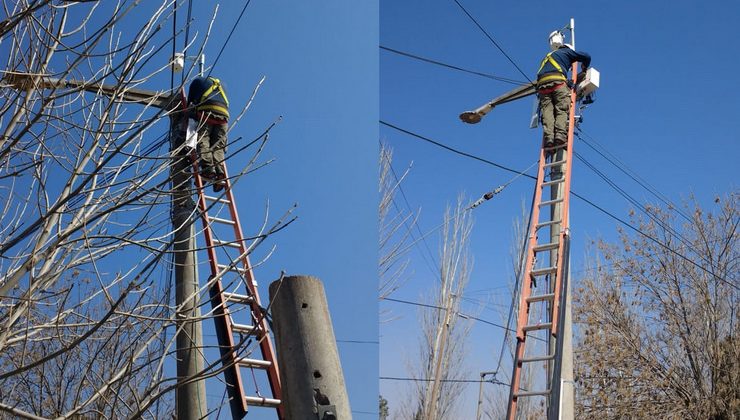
(190, 397)
(479, 411)
(563, 391)
(310, 371)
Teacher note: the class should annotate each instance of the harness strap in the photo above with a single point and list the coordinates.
(548, 59)
(550, 90)
(217, 88)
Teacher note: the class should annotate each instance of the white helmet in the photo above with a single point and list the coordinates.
(556, 40)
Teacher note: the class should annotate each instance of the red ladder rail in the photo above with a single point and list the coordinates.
(560, 161)
(220, 299)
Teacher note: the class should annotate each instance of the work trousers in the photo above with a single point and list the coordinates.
(212, 144)
(554, 108)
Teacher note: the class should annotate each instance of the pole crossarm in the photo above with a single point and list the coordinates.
(158, 99)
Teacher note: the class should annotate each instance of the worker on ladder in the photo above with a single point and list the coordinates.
(207, 99)
(554, 88)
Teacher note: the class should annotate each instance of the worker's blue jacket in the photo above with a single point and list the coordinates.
(556, 64)
(208, 95)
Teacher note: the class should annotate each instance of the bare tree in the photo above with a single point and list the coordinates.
(86, 322)
(394, 227)
(442, 343)
(658, 320)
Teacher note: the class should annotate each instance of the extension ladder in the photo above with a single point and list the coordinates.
(226, 241)
(545, 265)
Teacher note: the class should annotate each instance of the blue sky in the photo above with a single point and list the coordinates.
(666, 108)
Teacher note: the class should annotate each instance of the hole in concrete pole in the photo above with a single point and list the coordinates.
(316, 374)
(304, 305)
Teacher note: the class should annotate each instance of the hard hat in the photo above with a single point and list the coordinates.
(556, 40)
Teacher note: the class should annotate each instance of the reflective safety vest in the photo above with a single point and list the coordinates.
(209, 100)
(552, 76)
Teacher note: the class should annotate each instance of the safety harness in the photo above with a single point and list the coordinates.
(560, 75)
(215, 88)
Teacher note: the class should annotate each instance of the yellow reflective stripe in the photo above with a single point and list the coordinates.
(217, 108)
(223, 93)
(550, 77)
(549, 59)
(215, 86)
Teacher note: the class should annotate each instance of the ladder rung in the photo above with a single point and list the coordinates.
(217, 199)
(262, 401)
(553, 182)
(236, 268)
(543, 271)
(532, 393)
(538, 298)
(551, 202)
(556, 163)
(548, 223)
(537, 358)
(220, 220)
(546, 247)
(244, 329)
(232, 244)
(234, 297)
(253, 363)
(534, 327)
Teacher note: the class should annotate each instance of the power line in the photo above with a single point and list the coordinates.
(358, 341)
(233, 28)
(490, 38)
(460, 314)
(664, 225)
(627, 171)
(453, 150)
(587, 201)
(466, 381)
(450, 66)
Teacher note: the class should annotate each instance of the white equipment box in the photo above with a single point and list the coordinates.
(589, 83)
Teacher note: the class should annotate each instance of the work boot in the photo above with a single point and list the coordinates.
(219, 185)
(560, 142)
(207, 172)
(220, 182)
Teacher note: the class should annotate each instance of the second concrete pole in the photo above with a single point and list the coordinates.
(310, 371)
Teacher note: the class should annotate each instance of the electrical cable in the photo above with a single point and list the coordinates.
(468, 155)
(517, 282)
(174, 43)
(475, 381)
(458, 313)
(630, 173)
(233, 28)
(584, 199)
(490, 38)
(654, 218)
(450, 66)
